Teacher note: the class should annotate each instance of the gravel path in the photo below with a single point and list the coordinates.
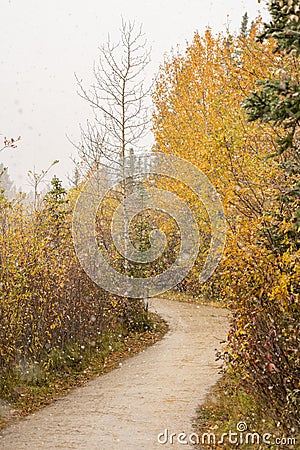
(156, 390)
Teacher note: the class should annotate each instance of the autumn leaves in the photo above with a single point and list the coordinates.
(199, 117)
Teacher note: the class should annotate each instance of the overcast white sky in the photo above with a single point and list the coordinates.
(43, 43)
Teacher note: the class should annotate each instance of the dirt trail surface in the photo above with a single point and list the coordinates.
(127, 408)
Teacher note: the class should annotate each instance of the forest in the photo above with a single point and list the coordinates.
(229, 104)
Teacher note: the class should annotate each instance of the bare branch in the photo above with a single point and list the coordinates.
(9, 143)
(117, 97)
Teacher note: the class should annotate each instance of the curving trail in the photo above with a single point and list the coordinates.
(127, 408)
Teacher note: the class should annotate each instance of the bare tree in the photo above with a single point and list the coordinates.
(36, 179)
(118, 98)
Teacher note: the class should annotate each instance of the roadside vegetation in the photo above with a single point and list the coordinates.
(230, 105)
(57, 326)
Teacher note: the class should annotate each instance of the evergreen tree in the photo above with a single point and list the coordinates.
(6, 184)
(277, 101)
(244, 25)
(57, 210)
